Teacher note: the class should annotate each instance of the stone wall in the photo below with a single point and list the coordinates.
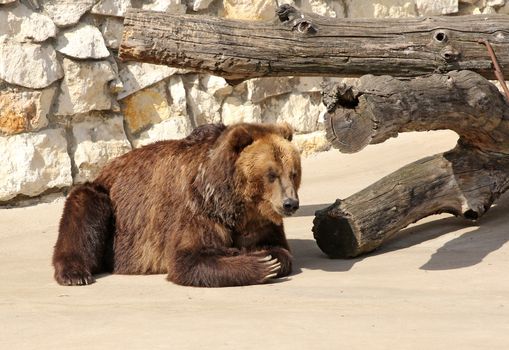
(68, 105)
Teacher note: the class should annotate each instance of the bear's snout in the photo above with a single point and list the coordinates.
(290, 205)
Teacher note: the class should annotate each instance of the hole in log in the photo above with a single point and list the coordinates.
(339, 95)
(471, 214)
(348, 100)
(441, 37)
(303, 26)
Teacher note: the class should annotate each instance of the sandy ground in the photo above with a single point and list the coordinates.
(442, 284)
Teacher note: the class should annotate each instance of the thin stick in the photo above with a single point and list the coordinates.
(496, 66)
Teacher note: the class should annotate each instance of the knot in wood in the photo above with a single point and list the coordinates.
(482, 102)
(450, 54)
(303, 25)
(287, 13)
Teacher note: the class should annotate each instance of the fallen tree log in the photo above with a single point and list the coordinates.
(464, 181)
(296, 43)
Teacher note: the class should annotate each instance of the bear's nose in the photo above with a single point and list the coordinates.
(290, 204)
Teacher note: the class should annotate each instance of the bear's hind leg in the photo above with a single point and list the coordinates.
(221, 268)
(84, 238)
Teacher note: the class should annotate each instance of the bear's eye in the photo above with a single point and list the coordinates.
(272, 176)
(293, 175)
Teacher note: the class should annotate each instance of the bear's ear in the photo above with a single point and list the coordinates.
(239, 138)
(286, 131)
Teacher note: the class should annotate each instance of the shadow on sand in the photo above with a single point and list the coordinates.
(309, 210)
(470, 248)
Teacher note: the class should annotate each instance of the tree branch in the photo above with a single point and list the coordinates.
(296, 43)
(464, 181)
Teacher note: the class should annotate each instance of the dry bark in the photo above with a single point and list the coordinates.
(296, 43)
(464, 181)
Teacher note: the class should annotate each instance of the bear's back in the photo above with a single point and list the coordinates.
(142, 184)
(139, 163)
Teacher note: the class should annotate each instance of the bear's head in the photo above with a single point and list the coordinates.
(268, 173)
(252, 168)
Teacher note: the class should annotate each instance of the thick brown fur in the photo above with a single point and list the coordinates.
(207, 210)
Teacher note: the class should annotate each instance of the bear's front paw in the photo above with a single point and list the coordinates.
(284, 257)
(269, 268)
(69, 277)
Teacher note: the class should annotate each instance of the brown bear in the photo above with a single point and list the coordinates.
(207, 210)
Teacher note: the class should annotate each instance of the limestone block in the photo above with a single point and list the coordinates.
(489, 10)
(82, 41)
(145, 107)
(33, 163)
(136, 76)
(177, 91)
(380, 8)
(216, 86)
(324, 8)
(116, 8)
(22, 24)
(111, 30)
(240, 89)
(22, 111)
(436, 7)
(301, 111)
(339, 8)
(66, 12)
(204, 107)
(254, 10)
(308, 84)
(116, 85)
(29, 65)
(235, 111)
(175, 7)
(259, 89)
(495, 3)
(311, 143)
(176, 127)
(198, 5)
(95, 142)
(85, 87)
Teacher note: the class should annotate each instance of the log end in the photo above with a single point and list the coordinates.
(347, 128)
(334, 234)
(348, 131)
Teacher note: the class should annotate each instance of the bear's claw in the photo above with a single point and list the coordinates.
(75, 279)
(272, 267)
(268, 277)
(275, 267)
(267, 258)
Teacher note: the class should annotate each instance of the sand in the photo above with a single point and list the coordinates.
(441, 284)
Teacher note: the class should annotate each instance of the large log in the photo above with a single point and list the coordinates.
(464, 181)
(296, 43)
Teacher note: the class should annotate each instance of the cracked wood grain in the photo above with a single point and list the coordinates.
(296, 43)
(464, 181)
